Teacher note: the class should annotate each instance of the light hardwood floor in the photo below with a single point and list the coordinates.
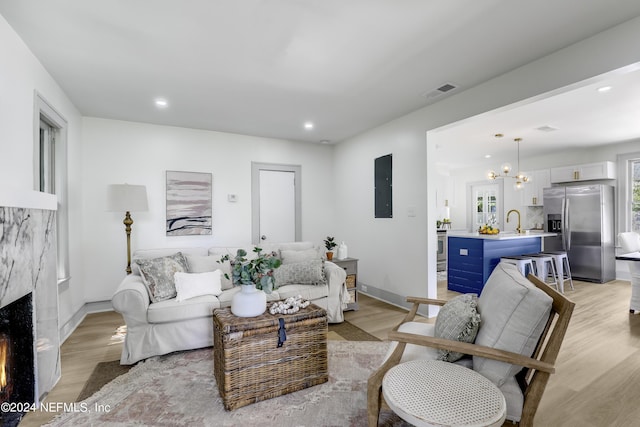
(596, 383)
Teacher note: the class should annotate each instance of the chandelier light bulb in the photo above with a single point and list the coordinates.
(506, 168)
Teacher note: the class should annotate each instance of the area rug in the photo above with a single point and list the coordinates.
(180, 390)
(104, 372)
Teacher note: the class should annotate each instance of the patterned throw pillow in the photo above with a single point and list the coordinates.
(457, 320)
(309, 272)
(158, 275)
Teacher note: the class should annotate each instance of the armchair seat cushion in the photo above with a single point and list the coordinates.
(514, 313)
(418, 352)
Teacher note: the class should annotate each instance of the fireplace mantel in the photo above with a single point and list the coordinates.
(16, 198)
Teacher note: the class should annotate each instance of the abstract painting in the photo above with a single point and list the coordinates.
(188, 203)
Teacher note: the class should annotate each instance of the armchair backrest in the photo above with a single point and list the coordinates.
(537, 317)
(629, 241)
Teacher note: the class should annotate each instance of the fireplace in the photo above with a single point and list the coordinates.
(17, 362)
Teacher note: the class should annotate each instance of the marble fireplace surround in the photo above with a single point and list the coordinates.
(28, 266)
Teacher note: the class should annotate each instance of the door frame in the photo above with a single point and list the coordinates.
(256, 167)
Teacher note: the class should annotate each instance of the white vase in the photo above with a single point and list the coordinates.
(342, 251)
(249, 302)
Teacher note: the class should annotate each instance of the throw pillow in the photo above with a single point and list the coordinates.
(158, 275)
(294, 257)
(309, 272)
(457, 320)
(190, 285)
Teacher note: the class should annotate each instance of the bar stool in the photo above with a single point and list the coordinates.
(545, 269)
(522, 262)
(562, 266)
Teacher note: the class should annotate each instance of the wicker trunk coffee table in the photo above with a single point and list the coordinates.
(252, 362)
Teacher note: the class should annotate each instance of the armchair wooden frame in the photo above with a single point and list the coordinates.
(533, 378)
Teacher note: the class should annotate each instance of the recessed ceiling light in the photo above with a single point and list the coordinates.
(325, 141)
(547, 128)
(604, 89)
(487, 156)
(161, 103)
(308, 125)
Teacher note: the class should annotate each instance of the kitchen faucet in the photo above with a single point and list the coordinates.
(518, 229)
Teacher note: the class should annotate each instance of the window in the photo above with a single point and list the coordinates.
(634, 173)
(50, 169)
(47, 164)
(629, 192)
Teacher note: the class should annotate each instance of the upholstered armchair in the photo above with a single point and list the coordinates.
(522, 325)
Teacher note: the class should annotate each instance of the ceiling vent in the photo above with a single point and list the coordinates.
(441, 90)
(547, 128)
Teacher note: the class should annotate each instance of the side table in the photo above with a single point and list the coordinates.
(436, 393)
(251, 362)
(350, 265)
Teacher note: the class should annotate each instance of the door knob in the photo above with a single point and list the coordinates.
(263, 237)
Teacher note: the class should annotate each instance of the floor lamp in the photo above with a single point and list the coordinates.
(128, 198)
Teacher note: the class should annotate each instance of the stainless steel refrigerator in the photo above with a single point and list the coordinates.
(583, 216)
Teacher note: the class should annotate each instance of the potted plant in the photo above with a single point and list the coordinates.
(329, 243)
(255, 277)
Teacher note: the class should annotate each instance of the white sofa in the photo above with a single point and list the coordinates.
(167, 326)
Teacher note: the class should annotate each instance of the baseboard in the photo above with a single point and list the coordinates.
(90, 307)
(391, 298)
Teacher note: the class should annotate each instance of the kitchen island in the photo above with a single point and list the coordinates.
(471, 257)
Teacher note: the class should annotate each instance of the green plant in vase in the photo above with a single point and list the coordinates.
(329, 244)
(257, 271)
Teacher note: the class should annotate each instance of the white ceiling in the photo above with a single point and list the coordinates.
(577, 117)
(263, 68)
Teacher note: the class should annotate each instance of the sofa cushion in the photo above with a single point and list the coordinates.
(158, 275)
(204, 263)
(170, 311)
(514, 313)
(305, 291)
(189, 285)
(292, 257)
(310, 272)
(457, 320)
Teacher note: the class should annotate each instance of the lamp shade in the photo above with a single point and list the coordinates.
(127, 198)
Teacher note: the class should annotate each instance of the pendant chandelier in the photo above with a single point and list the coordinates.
(506, 168)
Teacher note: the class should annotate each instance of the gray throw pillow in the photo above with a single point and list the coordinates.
(309, 272)
(158, 275)
(457, 320)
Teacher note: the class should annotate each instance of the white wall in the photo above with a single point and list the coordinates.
(398, 256)
(115, 152)
(21, 75)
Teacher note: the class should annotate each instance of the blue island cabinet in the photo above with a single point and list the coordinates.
(471, 260)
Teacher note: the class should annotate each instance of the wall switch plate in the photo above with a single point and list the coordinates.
(232, 198)
(464, 252)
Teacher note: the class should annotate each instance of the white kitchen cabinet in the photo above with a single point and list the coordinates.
(586, 172)
(532, 190)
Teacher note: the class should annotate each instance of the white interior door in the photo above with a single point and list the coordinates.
(277, 206)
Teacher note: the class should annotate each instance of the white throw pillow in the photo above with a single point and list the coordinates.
(190, 285)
